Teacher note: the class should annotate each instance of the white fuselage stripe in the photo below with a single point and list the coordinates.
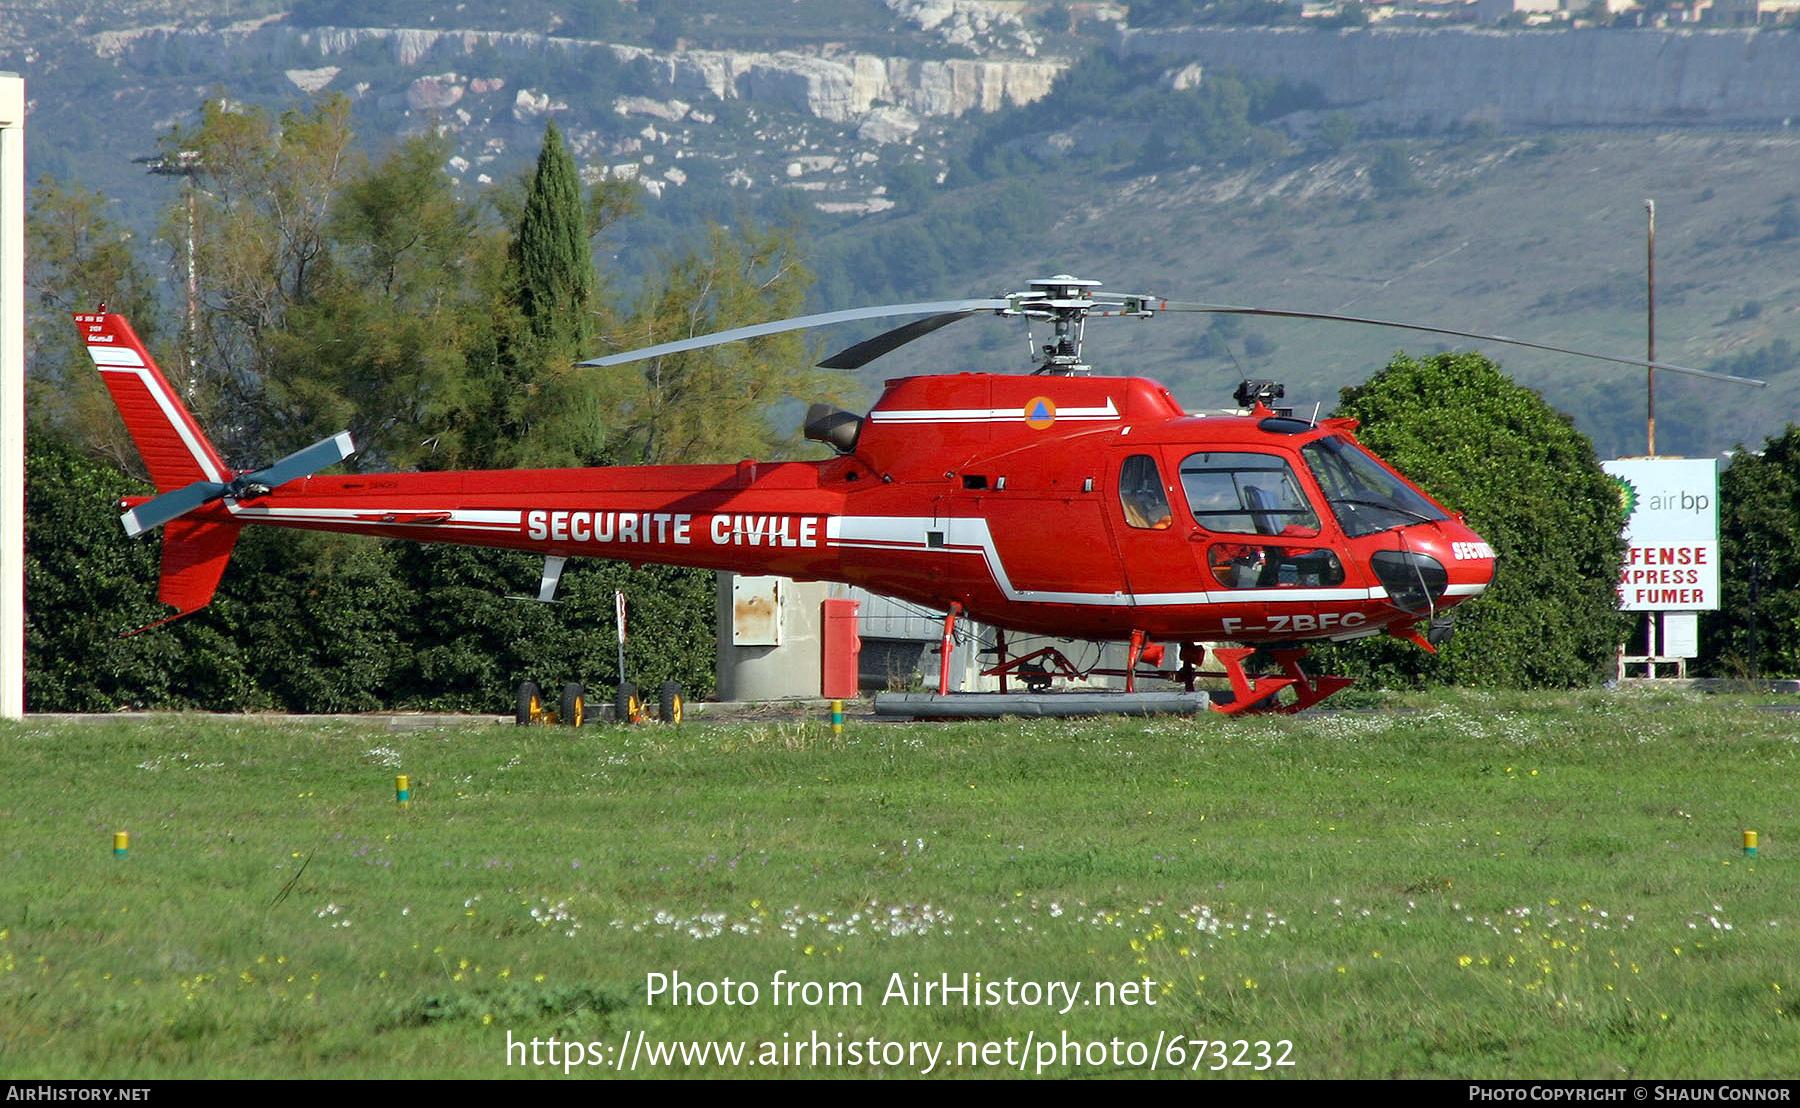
(985, 415)
(371, 517)
(971, 536)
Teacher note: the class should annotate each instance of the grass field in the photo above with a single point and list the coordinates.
(1472, 886)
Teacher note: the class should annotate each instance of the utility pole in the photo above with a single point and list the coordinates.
(1650, 323)
(185, 163)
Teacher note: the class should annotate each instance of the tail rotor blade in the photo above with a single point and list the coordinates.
(170, 505)
(302, 463)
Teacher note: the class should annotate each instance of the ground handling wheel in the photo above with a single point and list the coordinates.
(627, 708)
(530, 704)
(669, 702)
(574, 705)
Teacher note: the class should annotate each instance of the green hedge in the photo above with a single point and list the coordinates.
(310, 622)
(1529, 483)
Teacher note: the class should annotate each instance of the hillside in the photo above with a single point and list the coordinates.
(1541, 239)
(816, 99)
(928, 151)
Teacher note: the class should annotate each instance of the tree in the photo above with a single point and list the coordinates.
(80, 258)
(325, 622)
(712, 404)
(89, 585)
(553, 265)
(1528, 482)
(542, 412)
(258, 224)
(1337, 130)
(468, 640)
(909, 183)
(1391, 172)
(381, 347)
(1756, 631)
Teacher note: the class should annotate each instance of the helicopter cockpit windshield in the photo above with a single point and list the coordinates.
(1362, 493)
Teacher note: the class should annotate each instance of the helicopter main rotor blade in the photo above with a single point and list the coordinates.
(1151, 304)
(955, 307)
(854, 357)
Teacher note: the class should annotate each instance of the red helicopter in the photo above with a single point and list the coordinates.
(1058, 503)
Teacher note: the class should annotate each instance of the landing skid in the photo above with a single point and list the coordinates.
(1259, 694)
(1039, 705)
(1291, 690)
(1248, 696)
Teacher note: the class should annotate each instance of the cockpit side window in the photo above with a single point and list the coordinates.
(1246, 494)
(1243, 565)
(1141, 494)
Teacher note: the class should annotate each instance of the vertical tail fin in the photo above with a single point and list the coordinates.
(188, 472)
(175, 451)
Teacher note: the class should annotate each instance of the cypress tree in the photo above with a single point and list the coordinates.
(554, 268)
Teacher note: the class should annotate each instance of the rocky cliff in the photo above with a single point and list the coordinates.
(840, 88)
(1408, 78)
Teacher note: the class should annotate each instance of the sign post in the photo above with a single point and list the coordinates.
(619, 618)
(1672, 558)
